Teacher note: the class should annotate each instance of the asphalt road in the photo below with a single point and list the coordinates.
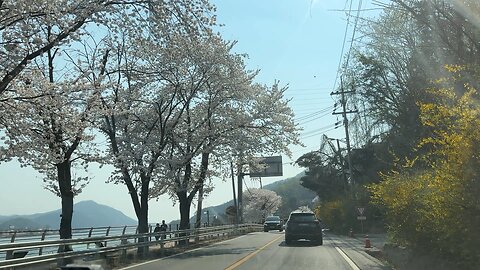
(268, 251)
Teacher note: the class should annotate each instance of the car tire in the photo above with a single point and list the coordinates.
(288, 241)
(265, 230)
(280, 230)
(320, 242)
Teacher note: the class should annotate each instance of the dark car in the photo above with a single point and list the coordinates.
(303, 225)
(273, 223)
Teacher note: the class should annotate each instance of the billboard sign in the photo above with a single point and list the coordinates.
(267, 166)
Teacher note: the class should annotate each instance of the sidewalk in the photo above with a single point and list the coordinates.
(365, 258)
(398, 257)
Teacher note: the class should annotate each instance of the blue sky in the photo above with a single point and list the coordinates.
(297, 42)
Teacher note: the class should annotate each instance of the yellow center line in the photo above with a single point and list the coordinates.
(249, 256)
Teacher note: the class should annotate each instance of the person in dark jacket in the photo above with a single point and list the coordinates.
(163, 228)
(157, 230)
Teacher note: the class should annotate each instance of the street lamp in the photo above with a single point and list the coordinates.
(208, 217)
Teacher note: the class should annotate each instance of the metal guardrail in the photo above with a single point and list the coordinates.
(107, 244)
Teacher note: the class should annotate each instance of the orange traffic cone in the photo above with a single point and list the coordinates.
(367, 242)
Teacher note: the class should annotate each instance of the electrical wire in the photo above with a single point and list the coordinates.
(343, 44)
(360, 2)
(315, 113)
(319, 130)
(319, 133)
(316, 118)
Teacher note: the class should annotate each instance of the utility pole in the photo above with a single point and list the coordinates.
(234, 195)
(340, 159)
(240, 193)
(344, 113)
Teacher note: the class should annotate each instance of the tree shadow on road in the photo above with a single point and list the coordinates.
(218, 250)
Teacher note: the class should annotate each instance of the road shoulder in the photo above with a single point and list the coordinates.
(356, 251)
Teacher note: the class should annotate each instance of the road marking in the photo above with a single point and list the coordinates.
(249, 256)
(349, 261)
(185, 252)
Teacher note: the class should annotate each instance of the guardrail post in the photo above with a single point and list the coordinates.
(106, 234)
(136, 238)
(9, 254)
(150, 231)
(124, 240)
(89, 235)
(40, 250)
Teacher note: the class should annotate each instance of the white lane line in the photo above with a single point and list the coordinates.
(349, 261)
(178, 254)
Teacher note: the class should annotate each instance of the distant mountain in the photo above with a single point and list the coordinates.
(3, 218)
(18, 222)
(292, 192)
(85, 214)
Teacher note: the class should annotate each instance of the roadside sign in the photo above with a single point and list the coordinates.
(361, 217)
(267, 166)
(361, 210)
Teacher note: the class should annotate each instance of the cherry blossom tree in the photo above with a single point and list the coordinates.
(229, 108)
(148, 87)
(55, 111)
(260, 203)
(47, 120)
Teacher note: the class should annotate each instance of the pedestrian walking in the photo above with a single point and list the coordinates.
(163, 229)
(157, 230)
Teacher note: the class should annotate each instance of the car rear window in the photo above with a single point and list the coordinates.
(302, 217)
(274, 218)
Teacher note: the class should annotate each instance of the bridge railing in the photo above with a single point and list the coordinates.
(46, 250)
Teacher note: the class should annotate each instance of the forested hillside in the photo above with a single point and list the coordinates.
(412, 160)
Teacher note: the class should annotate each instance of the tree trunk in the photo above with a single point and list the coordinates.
(66, 193)
(200, 183)
(142, 215)
(198, 220)
(184, 199)
(143, 228)
(184, 204)
(65, 185)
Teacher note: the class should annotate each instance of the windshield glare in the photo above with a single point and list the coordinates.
(302, 218)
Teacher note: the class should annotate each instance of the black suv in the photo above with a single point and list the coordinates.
(303, 225)
(272, 223)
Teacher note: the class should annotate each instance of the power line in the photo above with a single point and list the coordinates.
(319, 133)
(319, 129)
(309, 89)
(354, 31)
(342, 92)
(316, 118)
(315, 113)
(343, 43)
(310, 102)
(309, 97)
